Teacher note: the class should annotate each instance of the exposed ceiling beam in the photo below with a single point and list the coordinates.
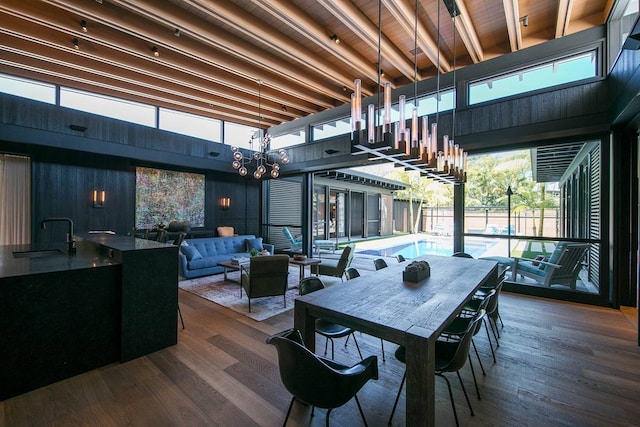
(295, 18)
(230, 54)
(99, 46)
(260, 33)
(367, 31)
(468, 33)
(405, 16)
(512, 13)
(564, 17)
(212, 53)
(36, 58)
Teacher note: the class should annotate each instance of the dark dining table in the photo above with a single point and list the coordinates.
(406, 313)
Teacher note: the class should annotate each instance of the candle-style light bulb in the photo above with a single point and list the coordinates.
(371, 126)
(357, 100)
(401, 120)
(387, 107)
(414, 128)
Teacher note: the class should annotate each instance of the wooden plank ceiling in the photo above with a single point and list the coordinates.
(212, 54)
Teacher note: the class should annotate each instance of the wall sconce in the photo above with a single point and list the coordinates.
(98, 198)
(225, 203)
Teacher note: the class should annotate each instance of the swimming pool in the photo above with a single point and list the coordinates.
(428, 247)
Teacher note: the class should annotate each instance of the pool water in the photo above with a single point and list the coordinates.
(428, 247)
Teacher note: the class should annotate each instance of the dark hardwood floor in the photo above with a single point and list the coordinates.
(558, 364)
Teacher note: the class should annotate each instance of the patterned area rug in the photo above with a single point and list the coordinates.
(227, 294)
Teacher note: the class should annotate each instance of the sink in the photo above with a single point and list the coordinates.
(44, 253)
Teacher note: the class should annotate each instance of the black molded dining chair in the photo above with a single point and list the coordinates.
(492, 308)
(351, 273)
(327, 329)
(180, 238)
(461, 255)
(450, 356)
(380, 263)
(457, 327)
(317, 381)
(493, 313)
(400, 258)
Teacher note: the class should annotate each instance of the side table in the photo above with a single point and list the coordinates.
(303, 263)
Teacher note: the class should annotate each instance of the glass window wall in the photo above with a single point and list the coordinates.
(561, 71)
(134, 112)
(25, 88)
(190, 124)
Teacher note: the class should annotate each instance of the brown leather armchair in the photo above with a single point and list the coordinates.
(266, 276)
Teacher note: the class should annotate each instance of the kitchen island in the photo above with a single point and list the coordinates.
(112, 300)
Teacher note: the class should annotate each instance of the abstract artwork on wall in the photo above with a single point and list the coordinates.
(163, 196)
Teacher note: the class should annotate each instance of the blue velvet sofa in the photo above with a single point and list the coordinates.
(200, 257)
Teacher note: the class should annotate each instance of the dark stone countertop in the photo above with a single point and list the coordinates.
(93, 251)
(121, 243)
(59, 260)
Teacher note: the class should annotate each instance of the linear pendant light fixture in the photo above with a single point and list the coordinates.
(413, 148)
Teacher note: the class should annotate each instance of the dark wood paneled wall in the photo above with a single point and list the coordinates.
(245, 194)
(62, 186)
(40, 124)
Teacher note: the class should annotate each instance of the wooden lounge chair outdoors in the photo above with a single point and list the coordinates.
(561, 268)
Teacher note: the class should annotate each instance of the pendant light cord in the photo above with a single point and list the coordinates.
(259, 112)
(379, 59)
(438, 71)
(415, 55)
(455, 88)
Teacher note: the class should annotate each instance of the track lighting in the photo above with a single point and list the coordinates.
(76, 44)
(177, 32)
(155, 51)
(525, 21)
(335, 38)
(83, 24)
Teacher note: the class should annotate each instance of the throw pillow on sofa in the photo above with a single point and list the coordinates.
(191, 252)
(225, 231)
(254, 244)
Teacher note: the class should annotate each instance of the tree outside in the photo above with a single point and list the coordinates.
(534, 206)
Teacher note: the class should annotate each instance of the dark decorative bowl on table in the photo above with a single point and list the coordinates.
(299, 257)
(416, 271)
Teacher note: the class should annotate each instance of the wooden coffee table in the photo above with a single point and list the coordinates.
(229, 265)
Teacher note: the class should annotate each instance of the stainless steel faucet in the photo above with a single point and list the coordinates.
(71, 243)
